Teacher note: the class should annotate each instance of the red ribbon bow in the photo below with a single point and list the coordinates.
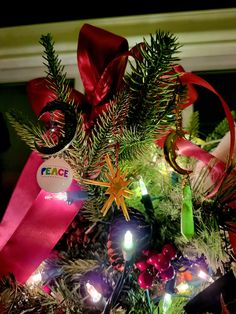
(102, 59)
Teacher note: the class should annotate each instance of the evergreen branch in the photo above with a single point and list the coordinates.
(56, 78)
(105, 135)
(151, 86)
(66, 268)
(28, 131)
(78, 266)
(19, 299)
(193, 125)
(75, 153)
(220, 130)
(207, 240)
(133, 144)
(92, 207)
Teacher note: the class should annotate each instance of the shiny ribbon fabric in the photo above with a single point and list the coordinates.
(187, 148)
(32, 225)
(102, 58)
(218, 170)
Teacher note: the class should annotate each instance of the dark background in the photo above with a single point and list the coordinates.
(37, 12)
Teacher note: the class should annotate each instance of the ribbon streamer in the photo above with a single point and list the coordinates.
(186, 148)
(32, 225)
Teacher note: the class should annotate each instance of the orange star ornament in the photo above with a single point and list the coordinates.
(117, 189)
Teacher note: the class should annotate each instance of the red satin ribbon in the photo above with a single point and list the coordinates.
(102, 59)
(32, 225)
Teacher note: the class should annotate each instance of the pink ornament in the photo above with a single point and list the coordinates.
(167, 274)
(142, 265)
(169, 251)
(145, 280)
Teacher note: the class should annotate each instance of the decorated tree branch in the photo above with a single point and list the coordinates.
(119, 209)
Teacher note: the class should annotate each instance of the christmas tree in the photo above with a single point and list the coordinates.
(120, 208)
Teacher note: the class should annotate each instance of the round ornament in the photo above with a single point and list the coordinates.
(69, 130)
(54, 175)
(169, 251)
(145, 280)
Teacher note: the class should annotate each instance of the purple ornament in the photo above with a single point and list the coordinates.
(167, 274)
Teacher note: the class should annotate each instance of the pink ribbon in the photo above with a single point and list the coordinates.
(32, 225)
(186, 148)
(219, 170)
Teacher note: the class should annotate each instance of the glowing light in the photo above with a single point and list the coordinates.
(36, 277)
(94, 294)
(62, 196)
(183, 287)
(128, 246)
(167, 300)
(205, 276)
(143, 188)
(34, 280)
(128, 240)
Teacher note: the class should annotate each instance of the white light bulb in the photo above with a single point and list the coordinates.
(94, 294)
(128, 240)
(205, 276)
(143, 188)
(128, 246)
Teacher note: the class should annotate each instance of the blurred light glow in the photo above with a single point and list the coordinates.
(94, 294)
(205, 276)
(34, 280)
(167, 300)
(62, 196)
(128, 240)
(143, 188)
(183, 287)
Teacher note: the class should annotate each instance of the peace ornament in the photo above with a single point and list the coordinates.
(54, 175)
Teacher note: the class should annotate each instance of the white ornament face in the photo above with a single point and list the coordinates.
(54, 175)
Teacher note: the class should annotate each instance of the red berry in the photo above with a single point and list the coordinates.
(142, 265)
(169, 251)
(145, 280)
(161, 262)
